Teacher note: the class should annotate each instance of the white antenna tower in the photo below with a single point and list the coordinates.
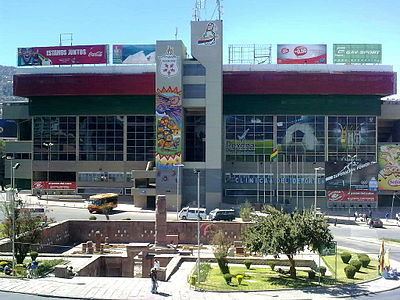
(198, 7)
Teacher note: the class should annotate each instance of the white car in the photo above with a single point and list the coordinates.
(191, 213)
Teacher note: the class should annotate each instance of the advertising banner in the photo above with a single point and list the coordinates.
(362, 175)
(301, 54)
(357, 53)
(134, 54)
(54, 185)
(389, 167)
(8, 129)
(351, 196)
(254, 178)
(63, 55)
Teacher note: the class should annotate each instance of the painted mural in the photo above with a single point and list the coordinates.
(169, 127)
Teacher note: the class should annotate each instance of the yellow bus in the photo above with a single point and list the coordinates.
(100, 203)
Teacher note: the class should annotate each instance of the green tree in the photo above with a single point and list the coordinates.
(221, 245)
(289, 234)
(28, 228)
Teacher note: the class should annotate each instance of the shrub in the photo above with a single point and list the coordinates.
(204, 270)
(350, 271)
(356, 264)
(345, 256)
(364, 259)
(92, 218)
(193, 280)
(4, 262)
(248, 263)
(34, 255)
(245, 211)
(228, 278)
(20, 269)
(311, 274)
(239, 278)
(47, 266)
(322, 270)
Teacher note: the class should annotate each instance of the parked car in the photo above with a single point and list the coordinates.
(190, 213)
(376, 223)
(222, 215)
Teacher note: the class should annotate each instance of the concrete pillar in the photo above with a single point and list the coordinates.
(161, 221)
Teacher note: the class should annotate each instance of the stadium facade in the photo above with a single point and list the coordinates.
(256, 133)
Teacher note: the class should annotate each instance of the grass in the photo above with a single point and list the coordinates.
(391, 240)
(2, 236)
(258, 279)
(369, 273)
(45, 267)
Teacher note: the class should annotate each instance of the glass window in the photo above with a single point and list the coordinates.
(140, 138)
(194, 90)
(59, 133)
(194, 70)
(195, 138)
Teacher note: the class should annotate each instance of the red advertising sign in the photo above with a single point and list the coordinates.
(63, 55)
(301, 54)
(54, 185)
(352, 196)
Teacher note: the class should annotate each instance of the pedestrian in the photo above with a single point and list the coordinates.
(387, 216)
(70, 272)
(355, 216)
(335, 222)
(29, 271)
(34, 268)
(156, 264)
(370, 223)
(153, 277)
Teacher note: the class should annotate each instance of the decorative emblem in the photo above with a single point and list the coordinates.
(169, 63)
(208, 38)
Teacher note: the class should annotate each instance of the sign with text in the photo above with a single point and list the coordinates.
(347, 175)
(301, 54)
(352, 196)
(63, 55)
(254, 178)
(357, 53)
(54, 185)
(389, 167)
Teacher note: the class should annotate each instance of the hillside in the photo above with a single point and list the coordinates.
(6, 86)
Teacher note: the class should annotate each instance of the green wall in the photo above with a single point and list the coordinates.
(91, 105)
(302, 104)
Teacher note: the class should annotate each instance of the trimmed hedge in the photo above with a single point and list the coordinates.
(228, 278)
(364, 259)
(345, 256)
(248, 263)
(350, 271)
(322, 270)
(356, 264)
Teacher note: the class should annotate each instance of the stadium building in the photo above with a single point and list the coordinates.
(267, 134)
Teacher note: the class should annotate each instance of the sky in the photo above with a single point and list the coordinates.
(30, 23)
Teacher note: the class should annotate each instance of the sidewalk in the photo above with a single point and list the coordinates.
(177, 288)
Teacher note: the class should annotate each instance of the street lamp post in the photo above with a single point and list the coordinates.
(178, 166)
(391, 209)
(13, 168)
(316, 170)
(352, 159)
(48, 146)
(198, 224)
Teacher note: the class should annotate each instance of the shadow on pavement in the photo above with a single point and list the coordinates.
(339, 291)
(164, 294)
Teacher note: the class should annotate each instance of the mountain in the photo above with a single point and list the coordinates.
(6, 84)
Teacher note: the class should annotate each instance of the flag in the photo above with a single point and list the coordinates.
(274, 154)
(381, 257)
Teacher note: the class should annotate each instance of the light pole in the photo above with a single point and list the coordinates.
(178, 166)
(48, 146)
(316, 170)
(198, 225)
(391, 209)
(352, 159)
(15, 167)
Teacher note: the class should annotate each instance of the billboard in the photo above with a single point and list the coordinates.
(53, 185)
(357, 53)
(362, 175)
(8, 129)
(301, 54)
(134, 54)
(63, 55)
(389, 167)
(351, 196)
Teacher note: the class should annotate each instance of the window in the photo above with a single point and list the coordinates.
(350, 135)
(195, 138)
(60, 132)
(194, 91)
(194, 70)
(248, 138)
(140, 138)
(101, 138)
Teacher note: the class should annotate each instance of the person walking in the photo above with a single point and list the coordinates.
(154, 284)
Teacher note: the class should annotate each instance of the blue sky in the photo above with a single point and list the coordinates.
(38, 23)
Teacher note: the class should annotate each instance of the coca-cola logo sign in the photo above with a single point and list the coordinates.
(300, 50)
(95, 54)
(336, 195)
(285, 50)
